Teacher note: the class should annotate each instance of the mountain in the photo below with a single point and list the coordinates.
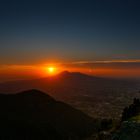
(99, 97)
(64, 79)
(33, 114)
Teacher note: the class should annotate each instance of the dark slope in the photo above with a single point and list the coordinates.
(45, 117)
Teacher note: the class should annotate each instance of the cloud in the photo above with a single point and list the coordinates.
(106, 61)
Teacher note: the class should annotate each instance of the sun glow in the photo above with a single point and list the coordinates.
(51, 70)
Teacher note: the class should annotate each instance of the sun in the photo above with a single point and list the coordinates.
(51, 70)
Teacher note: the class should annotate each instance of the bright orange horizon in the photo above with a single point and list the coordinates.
(114, 69)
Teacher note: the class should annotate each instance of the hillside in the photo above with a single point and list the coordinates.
(34, 114)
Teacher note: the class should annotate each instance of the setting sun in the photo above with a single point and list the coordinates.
(51, 70)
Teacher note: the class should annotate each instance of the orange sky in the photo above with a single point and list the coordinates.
(117, 69)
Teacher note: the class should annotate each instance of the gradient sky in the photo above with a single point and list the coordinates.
(34, 32)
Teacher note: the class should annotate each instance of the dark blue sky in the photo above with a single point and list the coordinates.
(36, 31)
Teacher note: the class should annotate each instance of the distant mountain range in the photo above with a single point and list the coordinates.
(93, 95)
(33, 115)
(62, 80)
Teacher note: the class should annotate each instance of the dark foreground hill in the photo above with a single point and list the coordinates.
(35, 115)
